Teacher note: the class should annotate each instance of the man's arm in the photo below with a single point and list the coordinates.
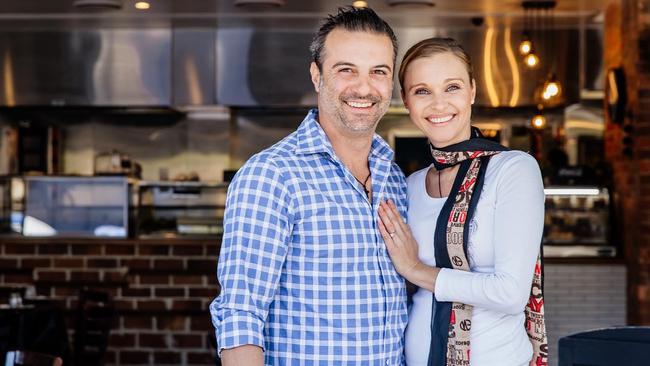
(257, 226)
(247, 355)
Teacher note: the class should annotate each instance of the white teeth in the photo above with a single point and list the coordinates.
(359, 104)
(440, 119)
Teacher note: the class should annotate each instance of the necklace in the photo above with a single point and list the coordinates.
(365, 181)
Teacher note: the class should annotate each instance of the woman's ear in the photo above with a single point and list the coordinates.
(473, 90)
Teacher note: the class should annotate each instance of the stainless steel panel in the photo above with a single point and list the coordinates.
(267, 67)
(109, 67)
(193, 66)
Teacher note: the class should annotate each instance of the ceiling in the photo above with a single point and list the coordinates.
(207, 12)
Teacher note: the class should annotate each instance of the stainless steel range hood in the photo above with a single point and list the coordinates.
(112, 67)
(247, 66)
(269, 67)
(108, 67)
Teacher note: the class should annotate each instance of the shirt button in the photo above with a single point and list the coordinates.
(387, 362)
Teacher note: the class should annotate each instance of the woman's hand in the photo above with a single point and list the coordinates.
(403, 249)
(401, 246)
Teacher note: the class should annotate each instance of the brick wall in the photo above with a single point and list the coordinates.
(161, 290)
(641, 285)
(627, 40)
(581, 297)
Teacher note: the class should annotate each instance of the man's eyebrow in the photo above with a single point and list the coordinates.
(383, 66)
(342, 63)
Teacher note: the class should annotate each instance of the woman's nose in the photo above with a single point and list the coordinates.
(437, 101)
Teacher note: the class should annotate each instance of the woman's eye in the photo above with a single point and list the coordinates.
(453, 88)
(421, 92)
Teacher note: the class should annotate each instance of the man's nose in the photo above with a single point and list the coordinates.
(363, 86)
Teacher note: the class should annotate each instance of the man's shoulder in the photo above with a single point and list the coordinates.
(274, 157)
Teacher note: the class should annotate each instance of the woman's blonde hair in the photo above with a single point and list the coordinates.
(432, 46)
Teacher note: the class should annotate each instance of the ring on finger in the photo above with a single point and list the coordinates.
(392, 235)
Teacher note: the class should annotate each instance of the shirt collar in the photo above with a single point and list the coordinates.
(312, 140)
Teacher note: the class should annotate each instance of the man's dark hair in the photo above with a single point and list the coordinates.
(350, 19)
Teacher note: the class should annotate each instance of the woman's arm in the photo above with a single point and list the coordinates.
(517, 236)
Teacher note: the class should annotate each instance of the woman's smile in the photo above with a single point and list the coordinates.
(440, 119)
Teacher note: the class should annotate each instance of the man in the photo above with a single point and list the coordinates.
(304, 275)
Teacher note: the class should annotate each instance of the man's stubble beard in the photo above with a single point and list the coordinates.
(362, 125)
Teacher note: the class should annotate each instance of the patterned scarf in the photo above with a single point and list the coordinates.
(451, 322)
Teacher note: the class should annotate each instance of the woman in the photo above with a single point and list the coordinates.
(476, 221)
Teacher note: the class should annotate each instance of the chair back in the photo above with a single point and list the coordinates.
(95, 314)
(622, 346)
(28, 358)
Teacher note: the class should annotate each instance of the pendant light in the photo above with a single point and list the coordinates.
(538, 121)
(532, 60)
(526, 45)
(552, 88)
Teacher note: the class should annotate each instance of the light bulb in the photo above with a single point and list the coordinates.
(142, 5)
(552, 88)
(538, 121)
(360, 4)
(525, 47)
(531, 60)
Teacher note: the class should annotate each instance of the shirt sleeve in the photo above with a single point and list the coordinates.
(257, 226)
(519, 224)
(402, 201)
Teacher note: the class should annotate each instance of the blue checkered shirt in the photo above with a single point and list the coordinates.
(303, 269)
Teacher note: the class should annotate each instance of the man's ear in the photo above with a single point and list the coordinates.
(315, 76)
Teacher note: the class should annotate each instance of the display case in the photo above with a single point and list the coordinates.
(180, 209)
(577, 222)
(76, 206)
(12, 193)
